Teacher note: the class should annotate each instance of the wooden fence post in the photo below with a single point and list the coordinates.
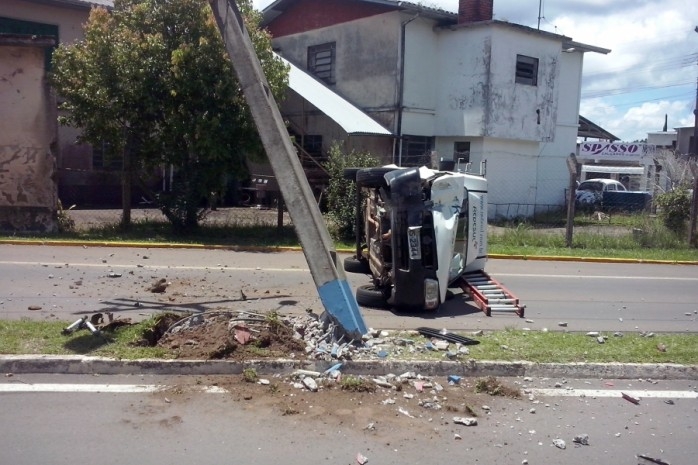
(694, 205)
(571, 195)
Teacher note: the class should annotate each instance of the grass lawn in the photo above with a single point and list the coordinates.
(41, 337)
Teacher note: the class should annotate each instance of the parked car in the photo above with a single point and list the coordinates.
(407, 222)
(609, 194)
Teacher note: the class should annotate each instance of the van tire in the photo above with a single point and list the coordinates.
(350, 173)
(355, 265)
(369, 295)
(373, 177)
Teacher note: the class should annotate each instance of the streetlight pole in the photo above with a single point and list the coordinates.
(695, 119)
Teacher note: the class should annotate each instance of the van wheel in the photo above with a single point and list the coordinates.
(369, 295)
(350, 173)
(373, 177)
(355, 265)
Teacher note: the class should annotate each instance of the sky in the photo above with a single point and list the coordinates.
(651, 70)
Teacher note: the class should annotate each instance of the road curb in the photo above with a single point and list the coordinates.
(241, 248)
(81, 365)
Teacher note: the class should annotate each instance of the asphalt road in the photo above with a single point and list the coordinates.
(61, 282)
(64, 419)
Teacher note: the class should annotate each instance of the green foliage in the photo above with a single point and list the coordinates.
(357, 384)
(152, 81)
(341, 193)
(494, 387)
(65, 222)
(674, 208)
(249, 375)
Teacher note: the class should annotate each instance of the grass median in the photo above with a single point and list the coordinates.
(25, 337)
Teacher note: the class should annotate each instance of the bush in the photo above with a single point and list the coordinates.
(675, 208)
(341, 203)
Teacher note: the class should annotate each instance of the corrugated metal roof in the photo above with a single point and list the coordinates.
(77, 3)
(350, 118)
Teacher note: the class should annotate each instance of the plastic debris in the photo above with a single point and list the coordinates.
(454, 379)
(335, 367)
(405, 412)
(361, 459)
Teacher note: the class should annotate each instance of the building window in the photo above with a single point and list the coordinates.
(461, 152)
(103, 160)
(321, 62)
(416, 151)
(312, 144)
(526, 70)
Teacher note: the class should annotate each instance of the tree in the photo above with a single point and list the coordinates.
(341, 192)
(153, 80)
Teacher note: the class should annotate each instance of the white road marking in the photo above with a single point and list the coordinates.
(101, 388)
(614, 393)
(651, 278)
(150, 388)
(153, 267)
(306, 270)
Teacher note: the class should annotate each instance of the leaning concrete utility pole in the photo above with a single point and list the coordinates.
(318, 247)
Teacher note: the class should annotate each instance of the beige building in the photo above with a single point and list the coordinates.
(27, 136)
(82, 176)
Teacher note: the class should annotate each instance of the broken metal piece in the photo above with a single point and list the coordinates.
(630, 398)
(651, 460)
(92, 328)
(74, 326)
(450, 337)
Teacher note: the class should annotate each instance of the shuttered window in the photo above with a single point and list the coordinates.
(321, 62)
(526, 70)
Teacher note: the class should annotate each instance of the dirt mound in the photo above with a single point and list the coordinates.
(226, 335)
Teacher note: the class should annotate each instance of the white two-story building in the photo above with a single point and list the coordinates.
(453, 86)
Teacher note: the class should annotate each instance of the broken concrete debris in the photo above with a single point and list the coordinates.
(582, 439)
(559, 443)
(466, 421)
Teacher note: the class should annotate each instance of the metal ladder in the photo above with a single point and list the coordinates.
(489, 294)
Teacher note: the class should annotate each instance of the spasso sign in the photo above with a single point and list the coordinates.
(615, 150)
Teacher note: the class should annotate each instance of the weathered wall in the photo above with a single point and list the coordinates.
(28, 130)
(366, 64)
(69, 20)
(479, 96)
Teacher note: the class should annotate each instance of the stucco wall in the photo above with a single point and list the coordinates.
(27, 164)
(69, 21)
(366, 64)
(478, 95)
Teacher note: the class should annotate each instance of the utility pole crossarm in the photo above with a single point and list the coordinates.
(318, 247)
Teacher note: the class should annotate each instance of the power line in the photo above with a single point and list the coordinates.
(659, 65)
(630, 90)
(682, 96)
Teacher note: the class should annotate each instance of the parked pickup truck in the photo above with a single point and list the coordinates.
(608, 194)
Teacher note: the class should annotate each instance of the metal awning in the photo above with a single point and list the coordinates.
(614, 169)
(350, 118)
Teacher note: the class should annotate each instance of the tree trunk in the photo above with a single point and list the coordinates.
(126, 182)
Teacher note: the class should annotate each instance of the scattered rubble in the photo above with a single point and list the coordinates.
(559, 443)
(630, 398)
(467, 421)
